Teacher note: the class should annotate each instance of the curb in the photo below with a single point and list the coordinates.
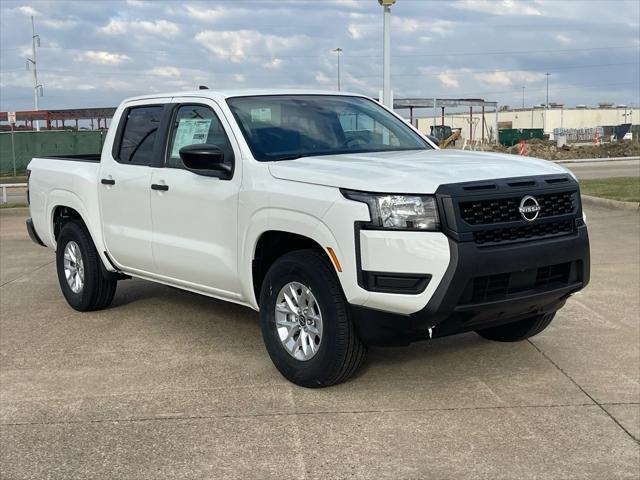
(608, 203)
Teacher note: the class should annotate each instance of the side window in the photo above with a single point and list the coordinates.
(193, 125)
(139, 135)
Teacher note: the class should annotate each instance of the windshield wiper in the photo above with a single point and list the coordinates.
(293, 156)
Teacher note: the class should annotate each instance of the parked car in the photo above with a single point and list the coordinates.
(326, 212)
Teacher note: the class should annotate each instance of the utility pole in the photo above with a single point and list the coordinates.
(338, 51)
(37, 88)
(386, 52)
(523, 97)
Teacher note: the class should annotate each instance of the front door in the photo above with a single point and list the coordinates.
(124, 181)
(194, 216)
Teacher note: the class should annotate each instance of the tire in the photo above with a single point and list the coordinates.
(517, 331)
(97, 290)
(340, 351)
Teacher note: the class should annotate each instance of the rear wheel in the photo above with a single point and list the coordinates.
(305, 322)
(83, 279)
(517, 331)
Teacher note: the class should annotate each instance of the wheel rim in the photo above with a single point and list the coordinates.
(73, 267)
(298, 321)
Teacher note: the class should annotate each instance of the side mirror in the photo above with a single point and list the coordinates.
(205, 159)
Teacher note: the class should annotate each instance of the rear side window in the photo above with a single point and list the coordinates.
(193, 125)
(139, 135)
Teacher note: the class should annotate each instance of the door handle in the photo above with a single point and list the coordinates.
(157, 186)
(108, 181)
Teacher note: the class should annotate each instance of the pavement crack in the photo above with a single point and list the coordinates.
(595, 402)
(296, 414)
(27, 273)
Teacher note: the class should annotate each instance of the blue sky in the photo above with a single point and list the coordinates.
(94, 53)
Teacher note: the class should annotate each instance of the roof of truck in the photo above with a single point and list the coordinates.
(218, 94)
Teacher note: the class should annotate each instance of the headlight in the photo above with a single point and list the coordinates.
(399, 212)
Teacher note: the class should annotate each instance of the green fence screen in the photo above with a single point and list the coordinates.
(34, 144)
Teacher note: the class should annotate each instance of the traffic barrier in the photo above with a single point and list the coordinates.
(523, 148)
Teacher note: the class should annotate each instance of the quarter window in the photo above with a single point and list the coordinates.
(194, 125)
(139, 135)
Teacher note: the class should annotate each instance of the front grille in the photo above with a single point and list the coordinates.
(523, 232)
(496, 287)
(483, 212)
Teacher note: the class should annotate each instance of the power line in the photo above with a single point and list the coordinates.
(468, 72)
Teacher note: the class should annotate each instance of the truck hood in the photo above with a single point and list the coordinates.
(421, 171)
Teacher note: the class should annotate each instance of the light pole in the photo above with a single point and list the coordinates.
(386, 52)
(523, 97)
(338, 51)
(547, 104)
(37, 88)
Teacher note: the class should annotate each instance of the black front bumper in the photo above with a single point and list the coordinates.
(455, 307)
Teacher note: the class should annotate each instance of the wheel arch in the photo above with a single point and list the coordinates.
(273, 244)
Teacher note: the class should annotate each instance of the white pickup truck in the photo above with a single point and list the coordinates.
(326, 212)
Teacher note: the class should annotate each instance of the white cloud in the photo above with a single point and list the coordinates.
(206, 14)
(60, 24)
(508, 78)
(448, 79)
(141, 27)
(104, 58)
(165, 71)
(237, 45)
(497, 7)
(321, 77)
(238, 77)
(273, 64)
(28, 10)
(563, 39)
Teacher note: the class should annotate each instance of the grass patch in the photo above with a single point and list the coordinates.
(625, 189)
(13, 205)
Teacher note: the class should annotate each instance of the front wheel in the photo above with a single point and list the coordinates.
(517, 331)
(81, 275)
(305, 322)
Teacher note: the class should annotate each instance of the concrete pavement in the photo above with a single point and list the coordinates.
(605, 169)
(168, 384)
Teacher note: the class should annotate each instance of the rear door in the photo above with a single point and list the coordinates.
(195, 217)
(125, 179)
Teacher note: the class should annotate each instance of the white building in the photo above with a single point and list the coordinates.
(557, 116)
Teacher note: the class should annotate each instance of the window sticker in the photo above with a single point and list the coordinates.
(260, 114)
(190, 131)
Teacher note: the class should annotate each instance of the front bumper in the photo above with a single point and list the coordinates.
(488, 286)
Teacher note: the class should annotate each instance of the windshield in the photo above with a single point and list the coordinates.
(285, 127)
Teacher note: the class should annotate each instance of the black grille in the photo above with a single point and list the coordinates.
(483, 212)
(524, 232)
(497, 287)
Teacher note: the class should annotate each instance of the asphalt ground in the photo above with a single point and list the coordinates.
(605, 169)
(168, 384)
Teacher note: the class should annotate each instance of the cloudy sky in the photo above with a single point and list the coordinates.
(94, 53)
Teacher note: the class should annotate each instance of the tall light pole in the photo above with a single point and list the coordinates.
(386, 52)
(523, 97)
(338, 51)
(37, 88)
(547, 104)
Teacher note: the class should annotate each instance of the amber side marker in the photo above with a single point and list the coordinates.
(333, 256)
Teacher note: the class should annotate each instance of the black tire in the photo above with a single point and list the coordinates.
(517, 331)
(98, 290)
(341, 351)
